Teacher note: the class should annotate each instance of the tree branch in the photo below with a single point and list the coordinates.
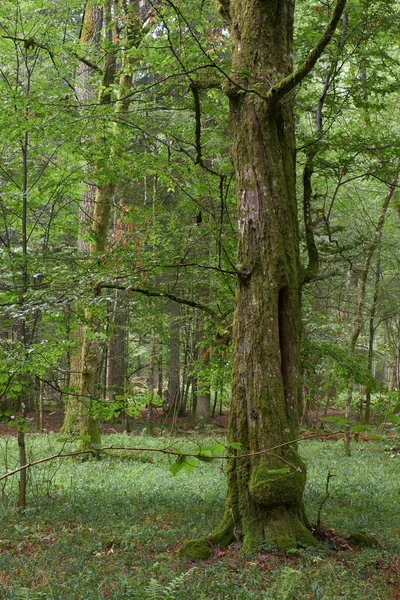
(153, 294)
(288, 83)
(177, 453)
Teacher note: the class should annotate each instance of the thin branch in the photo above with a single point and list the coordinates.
(159, 450)
(325, 498)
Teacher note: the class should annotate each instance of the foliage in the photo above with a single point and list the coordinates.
(174, 236)
(174, 217)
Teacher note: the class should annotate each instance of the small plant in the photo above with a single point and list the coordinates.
(286, 587)
(158, 591)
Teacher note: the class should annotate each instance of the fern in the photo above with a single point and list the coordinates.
(157, 591)
(154, 590)
(286, 587)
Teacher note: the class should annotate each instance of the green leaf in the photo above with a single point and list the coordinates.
(85, 437)
(394, 418)
(206, 451)
(205, 457)
(218, 449)
(189, 464)
(235, 445)
(360, 427)
(176, 467)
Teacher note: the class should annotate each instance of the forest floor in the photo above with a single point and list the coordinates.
(111, 528)
(53, 420)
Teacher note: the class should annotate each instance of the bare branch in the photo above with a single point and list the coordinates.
(154, 294)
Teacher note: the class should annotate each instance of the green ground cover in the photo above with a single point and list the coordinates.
(111, 528)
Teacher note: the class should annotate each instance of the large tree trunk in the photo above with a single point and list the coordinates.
(92, 349)
(265, 486)
(90, 388)
(265, 505)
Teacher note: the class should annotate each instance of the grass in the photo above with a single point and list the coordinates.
(111, 528)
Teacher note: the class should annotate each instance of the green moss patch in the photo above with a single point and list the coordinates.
(275, 482)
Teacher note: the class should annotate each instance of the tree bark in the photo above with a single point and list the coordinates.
(263, 504)
(203, 391)
(174, 392)
(117, 350)
(92, 346)
(89, 36)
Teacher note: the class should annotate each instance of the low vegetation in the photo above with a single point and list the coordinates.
(111, 528)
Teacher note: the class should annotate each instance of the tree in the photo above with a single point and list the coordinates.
(92, 346)
(265, 486)
(37, 182)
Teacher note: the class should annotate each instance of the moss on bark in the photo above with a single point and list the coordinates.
(195, 549)
(224, 534)
(70, 424)
(264, 505)
(270, 487)
(90, 427)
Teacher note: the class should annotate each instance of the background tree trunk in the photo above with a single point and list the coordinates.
(117, 349)
(90, 33)
(203, 395)
(174, 392)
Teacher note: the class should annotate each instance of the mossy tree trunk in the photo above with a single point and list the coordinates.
(266, 366)
(264, 505)
(91, 387)
(89, 38)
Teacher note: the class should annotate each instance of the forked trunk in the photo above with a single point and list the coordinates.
(263, 503)
(264, 499)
